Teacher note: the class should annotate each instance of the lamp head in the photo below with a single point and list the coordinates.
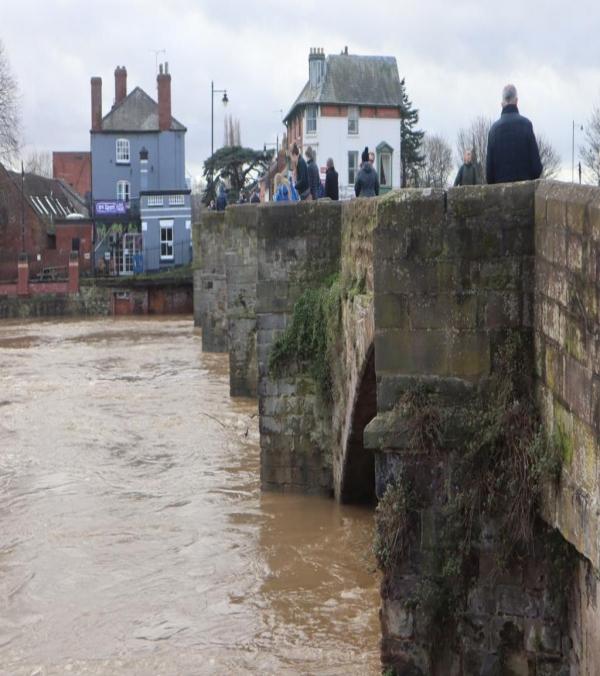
(225, 99)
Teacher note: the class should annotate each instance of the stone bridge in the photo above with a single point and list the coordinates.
(428, 288)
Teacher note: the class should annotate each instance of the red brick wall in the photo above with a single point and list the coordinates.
(11, 207)
(75, 169)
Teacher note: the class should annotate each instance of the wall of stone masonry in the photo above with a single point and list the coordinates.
(298, 248)
(210, 303)
(454, 274)
(567, 334)
(241, 272)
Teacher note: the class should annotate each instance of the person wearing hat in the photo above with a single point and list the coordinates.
(367, 181)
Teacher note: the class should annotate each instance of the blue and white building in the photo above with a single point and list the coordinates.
(141, 200)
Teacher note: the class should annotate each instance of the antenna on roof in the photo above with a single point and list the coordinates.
(156, 53)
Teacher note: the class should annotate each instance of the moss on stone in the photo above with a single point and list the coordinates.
(308, 342)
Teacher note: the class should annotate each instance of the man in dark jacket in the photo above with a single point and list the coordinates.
(221, 198)
(314, 176)
(512, 153)
(367, 181)
(302, 185)
(467, 174)
(331, 182)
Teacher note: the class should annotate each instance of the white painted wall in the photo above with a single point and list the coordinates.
(332, 140)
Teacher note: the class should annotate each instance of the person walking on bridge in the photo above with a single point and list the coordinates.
(512, 152)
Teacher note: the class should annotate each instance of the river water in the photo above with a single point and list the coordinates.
(134, 538)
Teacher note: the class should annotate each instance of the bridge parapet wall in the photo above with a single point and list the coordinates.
(210, 285)
(299, 247)
(241, 273)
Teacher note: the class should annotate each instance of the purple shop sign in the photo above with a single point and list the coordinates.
(111, 208)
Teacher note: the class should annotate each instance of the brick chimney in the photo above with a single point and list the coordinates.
(163, 81)
(120, 84)
(96, 103)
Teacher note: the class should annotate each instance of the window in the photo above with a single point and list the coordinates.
(166, 240)
(311, 119)
(385, 169)
(122, 151)
(352, 166)
(155, 200)
(176, 200)
(123, 191)
(353, 119)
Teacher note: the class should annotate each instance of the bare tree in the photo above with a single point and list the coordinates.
(550, 158)
(232, 136)
(475, 138)
(590, 150)
(38, 162)
(9, 110)
(437, 163)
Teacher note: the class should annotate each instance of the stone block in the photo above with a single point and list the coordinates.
(503, 310)
(391, 310)
(411, 352)
(397, 620)
(576, 215)
(574, 253)
(456, 310)
(578, 389)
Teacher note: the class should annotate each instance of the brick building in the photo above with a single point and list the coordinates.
(43, 218)
(75, 169)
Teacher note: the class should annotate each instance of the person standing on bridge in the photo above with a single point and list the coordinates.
(512, 152)
(467, 174)
(367, 181)
(301, 172)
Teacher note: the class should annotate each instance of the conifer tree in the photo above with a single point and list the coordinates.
(411, 155)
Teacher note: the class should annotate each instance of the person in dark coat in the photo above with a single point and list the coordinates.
(467, 174)
(367, 181)
(221, 198)
(314, 176)
(301, 169)
(331, 182)
(512, 153)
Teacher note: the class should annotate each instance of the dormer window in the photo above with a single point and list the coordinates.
(122, 151)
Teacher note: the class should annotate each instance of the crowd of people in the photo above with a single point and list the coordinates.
(512, 155)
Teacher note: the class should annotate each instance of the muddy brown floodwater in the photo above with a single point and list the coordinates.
(134, 538)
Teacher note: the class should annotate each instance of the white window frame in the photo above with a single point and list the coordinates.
(123, 151)
(155, 200)
(165, 225)
(176, 200)
(353, 117)
(123, 191)
(354, 155)
(311, 128)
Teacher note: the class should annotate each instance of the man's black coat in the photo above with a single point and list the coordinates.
(512, 153)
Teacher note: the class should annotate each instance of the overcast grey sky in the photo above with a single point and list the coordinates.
(455, 57)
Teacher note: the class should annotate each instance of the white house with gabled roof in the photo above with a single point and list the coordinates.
(350, 102)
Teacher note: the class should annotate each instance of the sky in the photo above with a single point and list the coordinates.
(455, 57)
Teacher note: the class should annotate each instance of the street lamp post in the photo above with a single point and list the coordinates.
(225, 101)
